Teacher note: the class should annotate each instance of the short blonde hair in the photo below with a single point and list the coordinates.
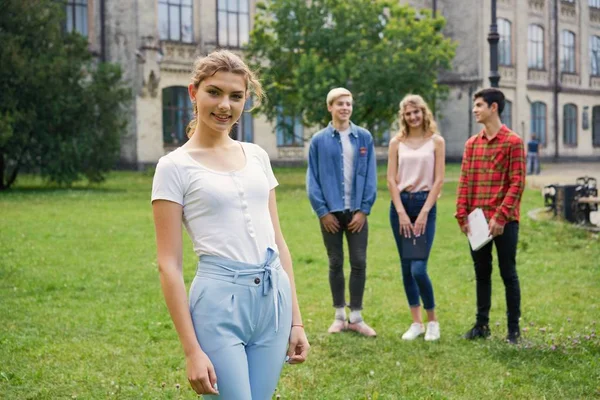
(336, 93)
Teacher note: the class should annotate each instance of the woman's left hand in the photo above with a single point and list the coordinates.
(298, 347)
(420, 223)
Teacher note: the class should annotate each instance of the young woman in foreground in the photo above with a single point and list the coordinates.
(242, 312)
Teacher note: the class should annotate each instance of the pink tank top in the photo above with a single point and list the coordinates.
(416, 167)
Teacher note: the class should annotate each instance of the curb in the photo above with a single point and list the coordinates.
(532, 214)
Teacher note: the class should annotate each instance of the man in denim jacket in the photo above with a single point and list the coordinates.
(342, 186)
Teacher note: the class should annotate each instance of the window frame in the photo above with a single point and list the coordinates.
(538, 118)
(180, 6)
(223, 8)
(570, 125)
(536, 45)
(507, 121)
(595, 55)
(246, 121)
(177, 93)
(76, 5)
(568, 46)
(596, 126)
(285, 138)
(505, 42)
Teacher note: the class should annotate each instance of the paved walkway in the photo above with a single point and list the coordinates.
(565, 173)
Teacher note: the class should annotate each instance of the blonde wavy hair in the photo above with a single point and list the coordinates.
(429, 124)
(226, 61)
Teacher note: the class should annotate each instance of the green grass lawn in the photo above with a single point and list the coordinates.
(82, 314)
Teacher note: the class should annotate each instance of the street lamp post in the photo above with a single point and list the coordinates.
(493, 39)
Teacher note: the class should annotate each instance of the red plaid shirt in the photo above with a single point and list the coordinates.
(492, 177)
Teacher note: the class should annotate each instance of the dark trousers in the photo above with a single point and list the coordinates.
(506, 249)
(357, 246)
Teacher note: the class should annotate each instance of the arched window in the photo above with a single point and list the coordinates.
(596, 126)
(538, 121)
(567, 54)
(505, 43)
(177, 113)
(570, 125)
(535, 47)
(507, 114)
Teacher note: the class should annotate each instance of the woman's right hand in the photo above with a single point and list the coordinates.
(201, 373)
(405, 225)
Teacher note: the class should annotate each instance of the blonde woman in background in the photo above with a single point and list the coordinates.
(415, 175)
(242, 312)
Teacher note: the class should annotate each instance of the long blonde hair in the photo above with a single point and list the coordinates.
(429, 124)
(226, 61)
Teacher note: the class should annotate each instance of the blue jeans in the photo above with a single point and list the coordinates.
(414, 272)
(242, 316)
(533, 163)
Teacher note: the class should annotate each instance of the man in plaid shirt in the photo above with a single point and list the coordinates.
(493, 178)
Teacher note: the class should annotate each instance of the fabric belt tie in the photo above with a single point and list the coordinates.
(268, 281)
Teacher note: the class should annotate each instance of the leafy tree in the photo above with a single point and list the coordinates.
(377, 49)
(61, 113)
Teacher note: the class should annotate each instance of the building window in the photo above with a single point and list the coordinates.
(77, 17)
(567, 55)
(570, 124)
(175, 20)
(247, 122)
(535, 47)
(177, 113)
(596, 126)
(504, 45)
(233, 23)
(289, 131)
(538, 121)
(594, 3)
(595, 55)
(507, 114)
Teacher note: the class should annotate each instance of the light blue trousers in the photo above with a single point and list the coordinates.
(242, 315)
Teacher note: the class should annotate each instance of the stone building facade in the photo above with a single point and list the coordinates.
(549, 56)
(156, 42)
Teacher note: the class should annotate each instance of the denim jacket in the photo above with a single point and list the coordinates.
(325, 175)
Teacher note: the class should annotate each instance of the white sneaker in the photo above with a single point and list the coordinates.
(433, 331)
(413, 332)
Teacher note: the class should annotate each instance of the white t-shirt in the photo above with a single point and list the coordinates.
(225, 213)
(348, 156)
